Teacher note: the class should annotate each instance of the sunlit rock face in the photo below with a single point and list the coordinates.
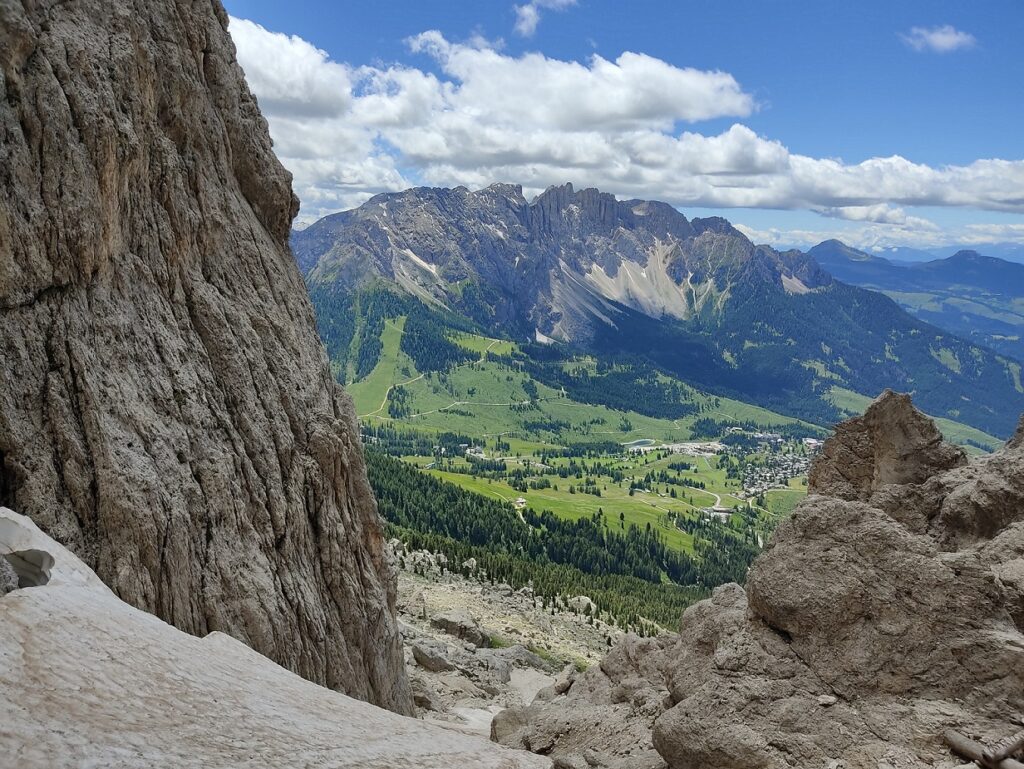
(166, 410)
(888, 608)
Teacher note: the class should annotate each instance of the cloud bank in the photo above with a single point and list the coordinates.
(622, 125)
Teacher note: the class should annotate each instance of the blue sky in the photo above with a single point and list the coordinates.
(784, 117)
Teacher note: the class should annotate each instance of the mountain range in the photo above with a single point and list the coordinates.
(694, 298)
(978, 297)
(1007, 252)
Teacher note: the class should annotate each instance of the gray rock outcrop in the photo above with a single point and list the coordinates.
(893, 443)
(432, 656)
(462, 626)
(602, 717)
(166, 410)
(8, 577)
(88, 680)
(885, 610)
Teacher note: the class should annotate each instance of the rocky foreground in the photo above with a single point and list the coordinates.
(888, 608)
(87, 680)
(473, 648)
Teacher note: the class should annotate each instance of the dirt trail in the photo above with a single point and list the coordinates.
(387, 393)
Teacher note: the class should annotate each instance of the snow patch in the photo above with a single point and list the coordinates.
(92, 681)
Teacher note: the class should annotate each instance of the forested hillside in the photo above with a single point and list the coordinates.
(978, 297)
(629, 571)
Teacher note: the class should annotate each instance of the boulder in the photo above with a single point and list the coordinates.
(425, 696)
(432, 656)
(519, 656)
(461, 625)
(601, 717)
(489, 665)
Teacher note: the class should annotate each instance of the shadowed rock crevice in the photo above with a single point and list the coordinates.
(7, 483)
(31, 567)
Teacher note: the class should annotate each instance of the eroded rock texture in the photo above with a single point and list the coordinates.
(888, 608)
(892, 443)
(166, 410)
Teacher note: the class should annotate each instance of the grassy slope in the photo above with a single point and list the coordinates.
(782, 501)
(481, 392)
(369, 393)
(640, 509)
(486, 398)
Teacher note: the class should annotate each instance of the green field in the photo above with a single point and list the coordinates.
(393, 367)
(780, 502)
(486, 398)
(514, 418)
(482, 344)
(643, 507)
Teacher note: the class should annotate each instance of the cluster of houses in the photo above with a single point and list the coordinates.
(775, 471)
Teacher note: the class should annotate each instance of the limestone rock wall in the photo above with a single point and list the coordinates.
(166, 410)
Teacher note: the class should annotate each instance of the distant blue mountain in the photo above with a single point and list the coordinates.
(976, 296)
(1010, 252)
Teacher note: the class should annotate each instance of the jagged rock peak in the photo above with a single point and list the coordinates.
(513, 191)
(166, 409)
(865, 631)
(892, 443)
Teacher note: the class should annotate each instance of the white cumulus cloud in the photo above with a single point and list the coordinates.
(942, 39)
(348, 132)
(528, 14)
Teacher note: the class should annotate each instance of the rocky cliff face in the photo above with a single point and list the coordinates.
(888, 608)
(165, 407)
(559, 264)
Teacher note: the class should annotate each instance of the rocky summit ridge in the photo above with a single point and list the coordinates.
(636, 279)
(561, 264)
(887, 609)
(166, 408)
